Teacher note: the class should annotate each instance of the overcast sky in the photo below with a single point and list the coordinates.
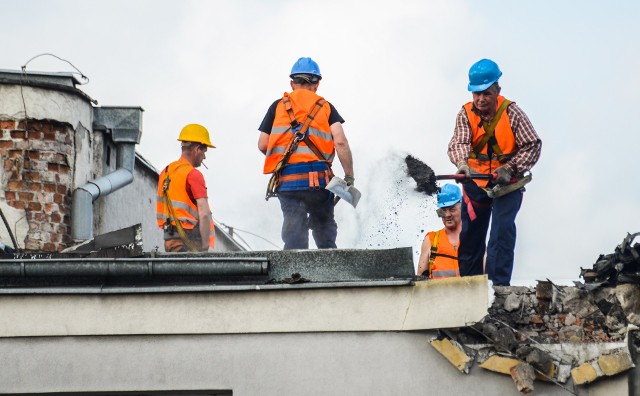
(397, 73)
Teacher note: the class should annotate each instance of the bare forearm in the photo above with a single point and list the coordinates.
(205, 228)
(346, 159)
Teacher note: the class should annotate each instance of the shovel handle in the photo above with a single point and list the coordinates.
(461, 176)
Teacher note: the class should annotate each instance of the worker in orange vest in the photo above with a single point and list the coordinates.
(492, 136)
(300, 136)
(439, 251)
(182, 206)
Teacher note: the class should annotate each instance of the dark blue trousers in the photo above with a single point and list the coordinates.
(308, 210)
(501, 214)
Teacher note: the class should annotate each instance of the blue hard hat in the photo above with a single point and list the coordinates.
(306, 65)
(449, 195)
(483, 74)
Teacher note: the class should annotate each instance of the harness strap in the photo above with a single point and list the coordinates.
(434, 249)
(489, 136)
(168, 204)
(299, 134)
(471, 204)
(444, 255)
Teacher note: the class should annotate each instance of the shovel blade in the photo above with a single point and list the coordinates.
(348, 193)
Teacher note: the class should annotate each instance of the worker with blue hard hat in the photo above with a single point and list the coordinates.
(300, 135)
(439, 250)
(493, 138)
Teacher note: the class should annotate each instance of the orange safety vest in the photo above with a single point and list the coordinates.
(443, 260)
(483, 164)
(302, 102)
(184, 208)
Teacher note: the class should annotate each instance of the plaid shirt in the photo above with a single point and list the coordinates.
(527, 140)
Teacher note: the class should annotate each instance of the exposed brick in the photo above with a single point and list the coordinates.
(53, 167)
(34, 135)
(7, 124)
(55, 238)
(49, 247)
(8, 164)
(34, 187)
(14, 185)
(49, 136)
(56, 218)
(10, 195)
(33, 154)
(35, 206)
(62, 189)
(58, 198)
(15, 153)
(26, 196)
(32, 176)
(18, 134)
(7, 143)
(64, 169)
(17, 204)
(50, 187)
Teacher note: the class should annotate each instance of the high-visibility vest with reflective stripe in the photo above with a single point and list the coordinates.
(184, 208)
(504, 136)
(445, 264)
(302, 102)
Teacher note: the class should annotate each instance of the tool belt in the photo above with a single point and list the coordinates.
(313, 177)
(171, 232)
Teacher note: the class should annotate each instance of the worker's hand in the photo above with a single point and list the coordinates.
(504, 176)
(463, 168)
(350, 180)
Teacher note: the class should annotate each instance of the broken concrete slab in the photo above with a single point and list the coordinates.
(454, 353)
(500, 364)
(615, 363)
(523, 376)
(585, 373)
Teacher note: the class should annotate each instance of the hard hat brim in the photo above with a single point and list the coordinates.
(481, 87)
(441, 205)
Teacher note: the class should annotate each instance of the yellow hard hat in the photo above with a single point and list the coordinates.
(195, 133)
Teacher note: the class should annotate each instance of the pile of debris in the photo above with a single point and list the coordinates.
(553, 333)
(621, 266)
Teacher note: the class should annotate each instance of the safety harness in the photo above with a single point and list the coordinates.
(168, 204)
(434, 253)
(489, 136)
(300, 134)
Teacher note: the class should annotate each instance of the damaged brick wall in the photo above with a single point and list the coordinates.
(38, 179)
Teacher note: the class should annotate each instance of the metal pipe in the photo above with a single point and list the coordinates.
(135, 267)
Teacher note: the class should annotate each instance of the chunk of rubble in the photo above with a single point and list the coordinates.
(608, 364)
(454, 353)
(523, 376)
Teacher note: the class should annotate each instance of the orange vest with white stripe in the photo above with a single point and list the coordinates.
(445, 262)
(302, 102)
(485, 164)
(184, 208)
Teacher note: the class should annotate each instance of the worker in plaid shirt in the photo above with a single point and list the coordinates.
(492, 136)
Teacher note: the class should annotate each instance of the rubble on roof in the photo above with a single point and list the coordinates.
(556, 332)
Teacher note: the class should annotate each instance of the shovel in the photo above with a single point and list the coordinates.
(495, 192)
(340, 188)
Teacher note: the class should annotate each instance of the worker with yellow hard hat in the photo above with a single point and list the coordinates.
(182, 206)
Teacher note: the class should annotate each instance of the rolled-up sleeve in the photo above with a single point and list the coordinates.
(460, 143)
